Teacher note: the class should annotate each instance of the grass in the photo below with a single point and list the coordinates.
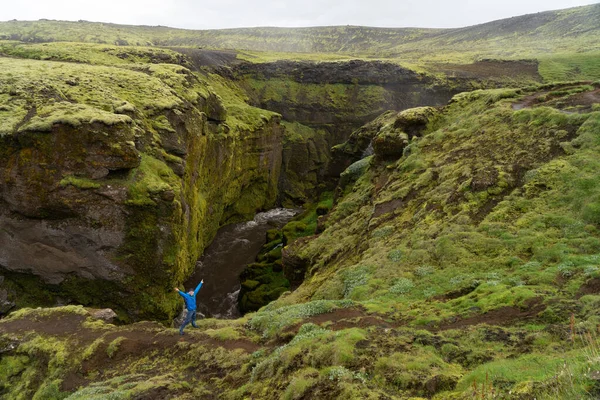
(114, 346)
(570, 67)
(270, 320)
(488, 210)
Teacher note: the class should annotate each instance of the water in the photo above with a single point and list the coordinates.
(232, 249)
(369, 151)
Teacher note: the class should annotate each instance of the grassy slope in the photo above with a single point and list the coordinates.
(553, 29)
(471, 234)
(449, 271)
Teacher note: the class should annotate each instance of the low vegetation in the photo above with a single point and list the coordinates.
(457, 257)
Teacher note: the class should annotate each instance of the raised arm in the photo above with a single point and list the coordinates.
(198, 287)
(180, 292)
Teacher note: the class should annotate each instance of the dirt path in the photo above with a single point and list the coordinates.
(500, 317)
(578, 102)
(139, 336)
(344, 318)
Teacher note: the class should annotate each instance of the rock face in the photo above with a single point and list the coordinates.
(324, 103)
(114, 208)
(391, 139)
(55, 222)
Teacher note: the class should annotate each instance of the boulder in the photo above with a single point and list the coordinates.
(106, 314)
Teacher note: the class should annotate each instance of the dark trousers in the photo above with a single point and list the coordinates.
(190, 317)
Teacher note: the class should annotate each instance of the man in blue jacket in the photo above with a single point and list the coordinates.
(190, 304)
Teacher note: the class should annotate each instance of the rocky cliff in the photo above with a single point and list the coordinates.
(108, 180)
(322, 103)
(445, 269)
(109, 164)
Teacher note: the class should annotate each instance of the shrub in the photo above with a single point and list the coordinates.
(354, 278)
(344, 374)
(395, 255)
(566, 269)
(402, 286)
(424, 270)
(383, 232)
(270, 321)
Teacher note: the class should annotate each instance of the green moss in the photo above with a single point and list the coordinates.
(150, 179)
(78, 182)
(412, 371)
(92, 348)
(114, 346)
(227, 333)
(12, 366)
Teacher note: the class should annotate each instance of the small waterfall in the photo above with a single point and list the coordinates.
(368, 151)
(232, 300)
(234, 247)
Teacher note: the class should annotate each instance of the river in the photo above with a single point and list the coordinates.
(233, 247)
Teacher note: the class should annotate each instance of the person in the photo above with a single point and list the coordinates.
(190, 305)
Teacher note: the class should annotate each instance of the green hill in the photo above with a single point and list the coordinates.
(449, 247)
(573, 29)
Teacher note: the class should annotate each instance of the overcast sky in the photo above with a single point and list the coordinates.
(202, 14)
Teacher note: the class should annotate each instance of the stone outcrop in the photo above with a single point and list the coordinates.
(115, 208)
(391, 139)
(105, 314)
(330, 100)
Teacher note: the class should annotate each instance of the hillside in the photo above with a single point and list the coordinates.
(574, 29)
(446, 269)
(448, 245)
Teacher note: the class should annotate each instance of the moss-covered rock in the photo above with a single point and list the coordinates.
(123, 158)
(261, 284)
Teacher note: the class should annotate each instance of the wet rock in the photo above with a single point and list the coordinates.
(214, 109)
(390, 143)
(321, 224)
(115, 193)
(5, 304)
(262, 283)
(395, 133)
(8, 344)
(99, 173)
(178, 168)
(52, 251)
(249, 284)
(414, 120)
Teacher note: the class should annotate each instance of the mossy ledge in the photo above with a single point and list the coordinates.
(108, 176)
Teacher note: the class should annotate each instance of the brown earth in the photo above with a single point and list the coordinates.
(579, 102)
(489, 69)
(139, 339)
(501, 316)
(590, 287)
(344, 318)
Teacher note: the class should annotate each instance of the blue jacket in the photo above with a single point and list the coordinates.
(190, 301)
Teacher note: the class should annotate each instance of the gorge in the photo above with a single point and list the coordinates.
(377, 213)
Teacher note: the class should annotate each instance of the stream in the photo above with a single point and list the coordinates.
(233, 247)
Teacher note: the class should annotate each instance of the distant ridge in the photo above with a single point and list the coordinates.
(577, 29)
